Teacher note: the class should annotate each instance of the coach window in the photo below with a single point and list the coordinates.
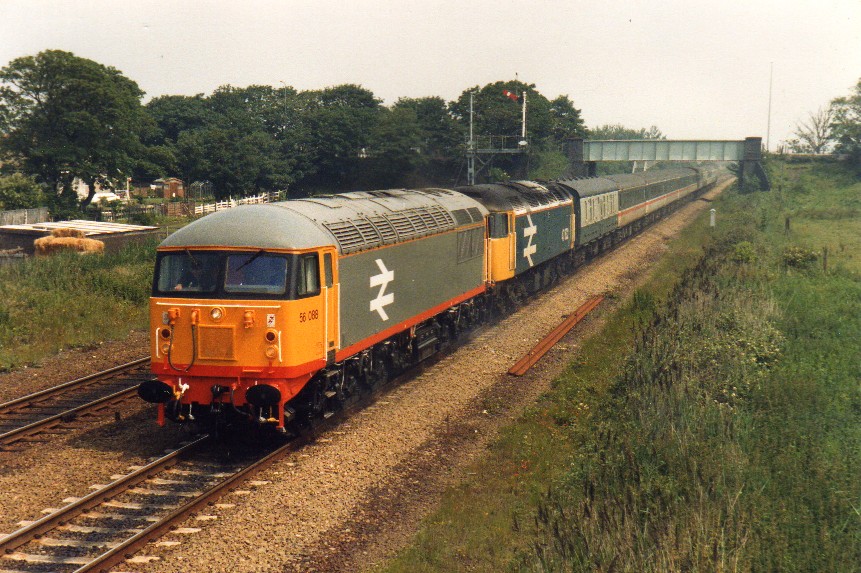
(308, 277)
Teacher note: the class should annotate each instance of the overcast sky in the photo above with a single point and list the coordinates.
(695, 69)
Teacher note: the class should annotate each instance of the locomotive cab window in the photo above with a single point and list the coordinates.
(308, 276)
(327, 270)
(497, 225)
(186, 272)
(256, 273)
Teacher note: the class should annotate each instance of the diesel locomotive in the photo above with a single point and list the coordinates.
(281, 312)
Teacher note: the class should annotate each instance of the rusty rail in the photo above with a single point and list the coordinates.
(530, 358)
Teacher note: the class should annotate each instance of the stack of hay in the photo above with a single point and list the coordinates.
(67, 240)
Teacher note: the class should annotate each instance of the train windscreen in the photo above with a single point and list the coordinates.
(214, 274)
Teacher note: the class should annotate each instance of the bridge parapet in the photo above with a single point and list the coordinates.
(584, 154)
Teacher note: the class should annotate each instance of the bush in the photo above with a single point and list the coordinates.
(799, 257)
(19, 191)
(744, 252)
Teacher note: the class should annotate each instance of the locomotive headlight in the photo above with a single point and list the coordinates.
(216, 314)
(165, 348)
(271, 352)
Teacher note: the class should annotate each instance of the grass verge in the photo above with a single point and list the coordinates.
(714, 425)
(70, 300)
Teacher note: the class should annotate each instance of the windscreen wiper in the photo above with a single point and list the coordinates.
(194, 261)
(249, 261)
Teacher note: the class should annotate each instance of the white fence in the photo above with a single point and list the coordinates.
(230, 203)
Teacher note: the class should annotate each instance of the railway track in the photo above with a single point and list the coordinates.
(51, 411)
(109, 526)
(99, 530)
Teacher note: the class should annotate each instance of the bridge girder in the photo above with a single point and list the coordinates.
(584, 154)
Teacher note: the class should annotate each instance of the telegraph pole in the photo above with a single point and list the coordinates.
(768, 129)
(470, 147)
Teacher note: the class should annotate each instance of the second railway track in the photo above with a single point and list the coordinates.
(48, 411)
(101, 530)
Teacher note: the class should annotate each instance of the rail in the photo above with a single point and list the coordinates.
(533, 356)
(35, 413)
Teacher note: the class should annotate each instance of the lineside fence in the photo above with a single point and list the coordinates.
(144, 214)
(24, 216)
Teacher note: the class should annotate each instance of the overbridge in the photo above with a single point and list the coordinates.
(585, 154)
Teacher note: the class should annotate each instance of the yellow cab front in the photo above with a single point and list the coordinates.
(239, 330)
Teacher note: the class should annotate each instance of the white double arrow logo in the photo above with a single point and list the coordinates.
(382, 280)
(529, 233)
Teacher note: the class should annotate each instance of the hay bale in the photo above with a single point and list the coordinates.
(64, 232)
(51, 245)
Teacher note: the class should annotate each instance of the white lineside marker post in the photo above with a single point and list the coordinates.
(712, 214)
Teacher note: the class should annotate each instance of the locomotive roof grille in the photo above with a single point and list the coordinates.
(384, 226)
(462, 216)
(349, 236)
(366, 232)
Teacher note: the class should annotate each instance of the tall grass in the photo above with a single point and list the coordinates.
(732, 440)
(68, 300)
(715, 425)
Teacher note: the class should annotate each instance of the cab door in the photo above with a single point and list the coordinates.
(331, 289)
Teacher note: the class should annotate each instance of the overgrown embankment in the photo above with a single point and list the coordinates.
(714, 425)
(67, 300)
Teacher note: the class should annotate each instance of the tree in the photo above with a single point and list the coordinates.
(495, 114)
(65, 117)
(236, 163)
(566, 120)
(394, 148)
(174, 114)
(846, 124)
(441, 136)
(618, 131)
(813, 135)
(18, 191)
(441, 140)
(337, 123)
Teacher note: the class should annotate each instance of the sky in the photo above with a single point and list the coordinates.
(694, 69)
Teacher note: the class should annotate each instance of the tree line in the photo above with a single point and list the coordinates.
(64, 117)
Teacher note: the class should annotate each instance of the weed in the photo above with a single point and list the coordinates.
(799, 257)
